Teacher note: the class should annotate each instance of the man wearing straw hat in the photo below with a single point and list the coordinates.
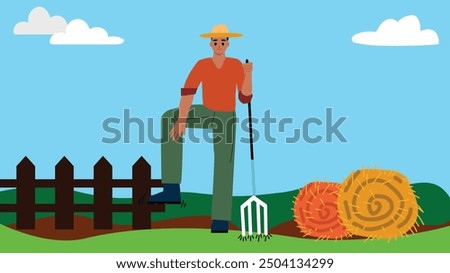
(222, 78)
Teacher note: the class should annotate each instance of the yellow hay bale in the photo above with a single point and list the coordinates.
(377, 204)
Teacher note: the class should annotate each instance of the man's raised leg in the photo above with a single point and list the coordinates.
(171, 162)
(172, 153)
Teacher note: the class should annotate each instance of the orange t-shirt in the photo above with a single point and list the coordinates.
(219, 84)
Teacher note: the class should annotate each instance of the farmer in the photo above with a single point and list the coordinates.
(222, 78)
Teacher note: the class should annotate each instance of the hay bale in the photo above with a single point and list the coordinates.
(316, 211)
(377, 204)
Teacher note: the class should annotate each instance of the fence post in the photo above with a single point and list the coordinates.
(64, 205)
(102, 194)
(26, 199)
(141, 175)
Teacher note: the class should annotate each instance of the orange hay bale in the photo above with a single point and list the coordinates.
(316, 213)
(377, 204)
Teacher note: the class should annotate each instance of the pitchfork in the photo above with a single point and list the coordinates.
(253, 199)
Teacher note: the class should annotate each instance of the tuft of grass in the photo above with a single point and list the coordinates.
(258, 238)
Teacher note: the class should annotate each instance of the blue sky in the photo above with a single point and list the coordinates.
(55, 98)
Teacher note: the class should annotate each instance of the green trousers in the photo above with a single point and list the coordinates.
(223, 125)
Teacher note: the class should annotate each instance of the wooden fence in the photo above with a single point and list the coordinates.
(64, 184)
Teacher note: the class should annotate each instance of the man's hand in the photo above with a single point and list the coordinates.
(248, 68)
(178, 130)
(247, 84)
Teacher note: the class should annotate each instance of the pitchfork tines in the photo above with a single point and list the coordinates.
(259, 205)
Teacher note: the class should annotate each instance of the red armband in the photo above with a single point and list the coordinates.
(188, 91)
(245, 99)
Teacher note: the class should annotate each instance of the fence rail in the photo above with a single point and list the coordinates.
(64, 184)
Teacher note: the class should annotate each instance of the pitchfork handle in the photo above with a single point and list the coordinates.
(250, 127)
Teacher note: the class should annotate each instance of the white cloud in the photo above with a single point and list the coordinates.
(78, 33)
(405, 32)
(40, 23)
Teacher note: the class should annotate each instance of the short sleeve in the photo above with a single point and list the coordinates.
(193, 80)
(239, 75)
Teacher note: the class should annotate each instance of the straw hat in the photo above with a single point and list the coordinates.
(220, 31)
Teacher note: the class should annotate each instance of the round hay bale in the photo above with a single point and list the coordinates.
(316, 212)
(377, 204)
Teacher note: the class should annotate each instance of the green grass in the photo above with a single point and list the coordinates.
(198, 240)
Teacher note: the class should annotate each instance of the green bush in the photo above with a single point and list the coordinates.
(434, 202)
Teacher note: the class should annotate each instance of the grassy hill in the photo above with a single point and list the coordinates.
(433, 200)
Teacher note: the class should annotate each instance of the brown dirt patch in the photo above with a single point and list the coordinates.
(84, 227)
(188, 222)
(290, 229)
